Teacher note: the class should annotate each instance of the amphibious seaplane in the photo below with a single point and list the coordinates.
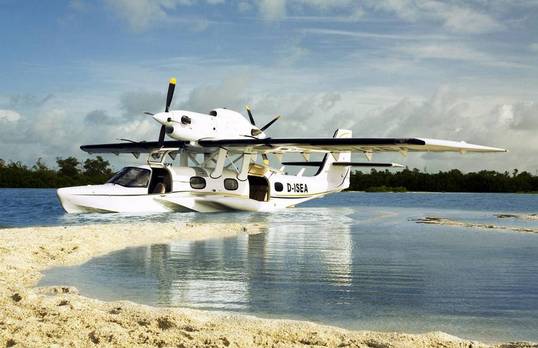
(211, 165)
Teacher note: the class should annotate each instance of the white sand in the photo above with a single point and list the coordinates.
(58, 316)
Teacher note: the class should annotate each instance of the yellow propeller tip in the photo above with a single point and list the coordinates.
(247, 107)
(173, 80)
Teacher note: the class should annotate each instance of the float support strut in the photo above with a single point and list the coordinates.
(219, 166)
(243, 175)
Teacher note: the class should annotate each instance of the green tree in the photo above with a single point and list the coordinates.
(68, 167)
(97, 167)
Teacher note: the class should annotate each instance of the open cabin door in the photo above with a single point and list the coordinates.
(258, 188)
(161, 181)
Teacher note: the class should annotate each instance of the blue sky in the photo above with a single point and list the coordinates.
(75, 72)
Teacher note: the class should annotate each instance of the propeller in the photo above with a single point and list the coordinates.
(169, 96)
(256, 131)
(250, 116)
(270, 123)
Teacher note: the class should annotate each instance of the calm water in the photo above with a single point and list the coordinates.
(354, 260)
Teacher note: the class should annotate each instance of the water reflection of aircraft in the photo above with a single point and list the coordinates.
(238, 273)
(329, 262)
(227, 177)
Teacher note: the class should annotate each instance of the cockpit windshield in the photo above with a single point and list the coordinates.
(131, 177)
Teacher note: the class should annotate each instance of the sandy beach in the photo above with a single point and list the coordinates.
(59, 316)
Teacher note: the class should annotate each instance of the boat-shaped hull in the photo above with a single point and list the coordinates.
(85, 200)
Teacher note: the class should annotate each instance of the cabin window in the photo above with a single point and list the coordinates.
(131, 177)
(197, 182)
(231, 184)
(279, 187)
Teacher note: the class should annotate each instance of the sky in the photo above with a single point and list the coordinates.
(82, 72)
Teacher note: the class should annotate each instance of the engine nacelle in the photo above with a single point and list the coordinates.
(218, 124)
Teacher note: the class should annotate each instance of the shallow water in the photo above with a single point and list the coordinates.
(40, 207)
(355, 260)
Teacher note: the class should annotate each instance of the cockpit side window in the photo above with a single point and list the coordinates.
(131, 177)
(213, 113)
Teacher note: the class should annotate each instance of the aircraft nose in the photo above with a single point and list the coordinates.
(161, 117)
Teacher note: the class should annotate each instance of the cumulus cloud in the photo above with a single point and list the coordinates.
(452, 115)
(9, 116)
(523, 116)
(50, 127)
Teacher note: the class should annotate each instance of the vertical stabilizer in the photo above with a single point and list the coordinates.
(336, 176)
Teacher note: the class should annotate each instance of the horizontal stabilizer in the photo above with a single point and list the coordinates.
(344, 164)
(304, 164)
(368, 164)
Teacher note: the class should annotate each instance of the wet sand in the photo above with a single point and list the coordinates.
(518, 216)
(434, 220)
(59, 316)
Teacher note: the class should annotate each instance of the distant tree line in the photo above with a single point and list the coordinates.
(450, 181)
(71, 172)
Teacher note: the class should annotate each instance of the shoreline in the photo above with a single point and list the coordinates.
(38, 316)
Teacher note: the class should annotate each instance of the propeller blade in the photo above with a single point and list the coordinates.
(269, 124)
(170, 95)
(250, 116)
(162, 134)
(148, 113)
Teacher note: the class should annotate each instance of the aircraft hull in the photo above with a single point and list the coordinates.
(78, 200)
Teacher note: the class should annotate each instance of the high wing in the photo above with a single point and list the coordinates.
(132, 147)
(284, 145)
(367, 145)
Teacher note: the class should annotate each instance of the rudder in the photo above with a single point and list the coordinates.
(337, 176)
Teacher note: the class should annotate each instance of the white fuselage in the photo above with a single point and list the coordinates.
(193, 189)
